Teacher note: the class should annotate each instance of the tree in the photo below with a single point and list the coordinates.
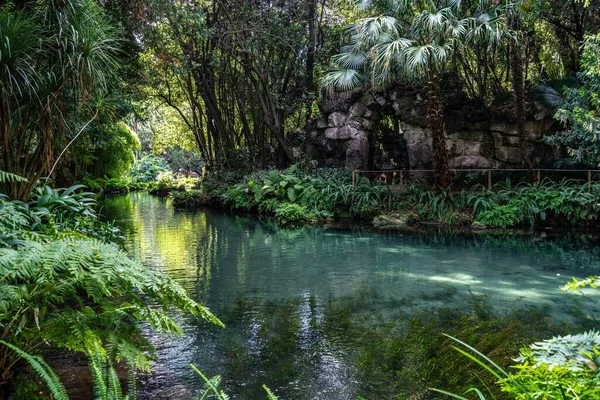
(415, 40)
(580, 110)
(56, 60)
(516, 67)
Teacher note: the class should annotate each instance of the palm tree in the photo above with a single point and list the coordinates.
(415, 40)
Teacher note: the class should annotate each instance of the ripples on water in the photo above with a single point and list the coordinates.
(272, 288)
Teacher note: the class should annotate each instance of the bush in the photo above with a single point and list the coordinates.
(163, 185)
(117, 185)
(189, 199)
(290, 213)
(558, 367)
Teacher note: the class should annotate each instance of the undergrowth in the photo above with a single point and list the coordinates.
(327, 194)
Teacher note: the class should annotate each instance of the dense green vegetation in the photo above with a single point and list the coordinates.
(205, 99)
(292, 196)
(66, 282)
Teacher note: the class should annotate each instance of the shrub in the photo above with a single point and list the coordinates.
(290, 213)
(116, 185)
(189, 199)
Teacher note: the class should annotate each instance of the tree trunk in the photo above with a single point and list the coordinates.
(516, 66)
(310, 56)
(437, 123)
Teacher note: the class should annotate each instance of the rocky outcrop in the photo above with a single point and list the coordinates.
(350, 134)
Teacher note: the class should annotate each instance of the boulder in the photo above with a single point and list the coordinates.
(358, 110)
(322, 123)
(344, 133)
(509, 155)
(469, 162)
(504, 127)
(419, 146)
(337, 119)
(357, 153)
(395, 220)
(362, 123)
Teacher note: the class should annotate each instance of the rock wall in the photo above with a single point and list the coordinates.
(349, 128)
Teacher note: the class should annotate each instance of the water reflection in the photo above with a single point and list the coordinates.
(279, 293)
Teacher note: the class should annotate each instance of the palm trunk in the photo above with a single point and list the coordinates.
(437, 123)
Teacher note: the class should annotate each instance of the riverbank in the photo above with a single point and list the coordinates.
(294, 197)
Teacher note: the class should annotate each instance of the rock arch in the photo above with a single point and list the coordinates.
(343, 135)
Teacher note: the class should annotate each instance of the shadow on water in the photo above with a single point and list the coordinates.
(333, 313)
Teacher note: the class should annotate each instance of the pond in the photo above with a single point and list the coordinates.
(301, 305)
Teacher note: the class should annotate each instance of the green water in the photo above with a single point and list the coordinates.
(291, 297)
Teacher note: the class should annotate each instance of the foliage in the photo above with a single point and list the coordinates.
(147, 168)
(558, 368)
(183, 161)
(113, 150)
(579, 113)
(574, 352)
(115, 185)
(291, 195)
(60, 286)
(567, 202)
(54, 212)
(57, 63)
(107, 385)
(189, 199)
(42, 369)
(290, 213)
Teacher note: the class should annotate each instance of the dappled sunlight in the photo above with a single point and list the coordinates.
(280, 291)
(462, 279)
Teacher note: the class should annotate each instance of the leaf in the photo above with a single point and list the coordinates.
(291, 194)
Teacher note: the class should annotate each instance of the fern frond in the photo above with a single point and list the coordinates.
(43, 370)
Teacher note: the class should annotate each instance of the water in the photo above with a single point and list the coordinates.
(275, 290)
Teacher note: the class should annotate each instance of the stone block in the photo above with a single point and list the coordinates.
(337, 119)
(362, 123)
(331, 133)
(357, 153)
(322, 123)
(358, 110)
(504, 127)
(469, 162)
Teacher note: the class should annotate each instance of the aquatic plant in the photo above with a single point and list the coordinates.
(211, 387)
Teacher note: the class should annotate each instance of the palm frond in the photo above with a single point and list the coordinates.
(552, 94)
(350, 60)
(342, 79)
(7, 177)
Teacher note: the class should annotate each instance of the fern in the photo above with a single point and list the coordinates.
(82, 293)
(43, 370)
(211, 386)
(270, 395)
(106, 382)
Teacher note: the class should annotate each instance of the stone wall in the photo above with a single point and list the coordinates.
(344, 134)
